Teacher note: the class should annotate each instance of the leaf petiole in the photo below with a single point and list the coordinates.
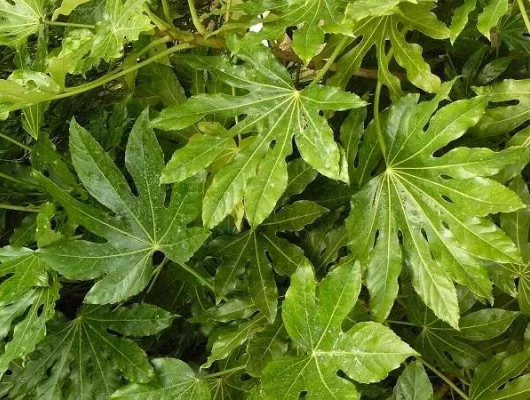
(225, 372)
(67, 24)
(444, 378)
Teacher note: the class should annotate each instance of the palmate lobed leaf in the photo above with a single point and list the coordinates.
(315, 18)
(390, 22)
(274, 109)
(264, 252)
(19, 19)
(429, 212)
(366, 353)
(454, 351)
(141, 225)
(175, 380)
(86, 360)
(28, 293)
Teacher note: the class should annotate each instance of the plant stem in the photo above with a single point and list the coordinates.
(165, 7)
(342, 44)
(228, 8)
(199, 277)
(377, 121)
(16, 142)
(522, 8)
(195, 19)
(225, 372)
(401, 323)
(156, 273)
(444, 378)
(154, 43)
(92, 85)
(18, 208)
(67, 24)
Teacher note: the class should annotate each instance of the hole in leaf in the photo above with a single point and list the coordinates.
(158, 257)
(303, 395)
(446, 177)
(445, 225)
(376, 237)
(424, 234)
(400, 237)
(447, 198)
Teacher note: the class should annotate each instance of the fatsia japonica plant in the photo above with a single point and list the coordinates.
(264, 199)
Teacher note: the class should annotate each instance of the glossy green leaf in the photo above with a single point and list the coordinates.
(429, 212)
(366, 353)
(277, 111)
(392, 25)
(490, 16)
(142, 223)
(24, 88)
(413, 383)
(19, 19)
(504, 118)
(174, 380)
(452, 349)
(498, 378)
(85, 359)
(28, 293)
(315, 18)
(262, 251)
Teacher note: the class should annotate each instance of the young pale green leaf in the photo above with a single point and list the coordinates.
(85, 360)
(175, 380)
(66, 7)
(491, 15)
(460, 18)
(429, 212)
(498, 378)
(413, 383)
(122, 21)
(262, 250)
(24, 88)
(505, 118)
(314, 18)
(392, 25)
(198, 154)
(277, 111)
(19, 19)
(142, 224)
(28, 293)
(313, 317)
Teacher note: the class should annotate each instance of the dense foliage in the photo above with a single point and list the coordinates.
(264, 199)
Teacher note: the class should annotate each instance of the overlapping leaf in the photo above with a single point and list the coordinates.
(392, 25)
(452, 349)
(24, 88)
(141, 225)
(314, 18)
(517, 226)
(27, 302)
(19, 19)
(277, 111)
(500, 378)
(504, 118)
(429, 210)
(122, 21)
(366, 353)
(175, 380)
(262, 250)
(488, 17)
(81, 358)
